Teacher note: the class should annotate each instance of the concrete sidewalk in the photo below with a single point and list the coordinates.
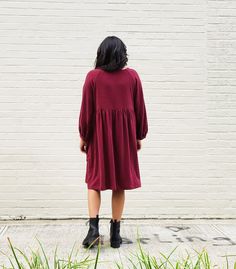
(218, 237)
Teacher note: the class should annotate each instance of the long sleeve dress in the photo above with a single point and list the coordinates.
(112, 118)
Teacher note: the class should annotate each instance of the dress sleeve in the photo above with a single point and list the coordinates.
(86, 115)
(140, 109)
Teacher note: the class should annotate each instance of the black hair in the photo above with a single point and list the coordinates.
(111, 54)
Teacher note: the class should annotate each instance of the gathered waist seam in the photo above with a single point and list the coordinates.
(114, 110)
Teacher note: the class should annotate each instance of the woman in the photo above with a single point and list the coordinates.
(112, 123)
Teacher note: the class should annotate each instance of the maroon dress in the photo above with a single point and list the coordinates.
(112, 117)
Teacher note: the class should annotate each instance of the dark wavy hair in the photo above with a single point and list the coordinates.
(111, 54)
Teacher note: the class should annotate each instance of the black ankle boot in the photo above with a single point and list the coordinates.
(93, 235)
(115, 238)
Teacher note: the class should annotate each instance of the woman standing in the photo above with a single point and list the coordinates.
(112, 123)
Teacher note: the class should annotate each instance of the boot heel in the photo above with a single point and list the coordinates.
(115, 244)
(94, 243)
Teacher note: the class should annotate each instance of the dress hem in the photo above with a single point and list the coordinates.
(115, 189)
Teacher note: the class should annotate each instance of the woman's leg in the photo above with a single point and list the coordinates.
(94, 202)
(118, 200)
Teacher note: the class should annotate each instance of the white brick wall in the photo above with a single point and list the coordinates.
(184, 53)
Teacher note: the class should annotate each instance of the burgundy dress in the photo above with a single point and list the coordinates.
(112, 117)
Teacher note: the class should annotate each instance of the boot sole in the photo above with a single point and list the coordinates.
(95, 242)
(115, 244)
